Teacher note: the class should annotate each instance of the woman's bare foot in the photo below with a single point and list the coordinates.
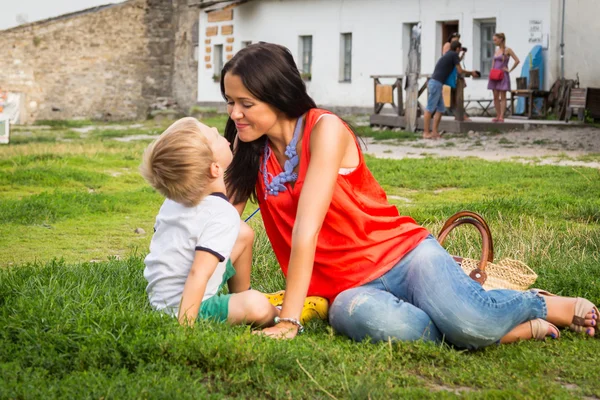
(535, 329)
(432, 135)
(562, 310)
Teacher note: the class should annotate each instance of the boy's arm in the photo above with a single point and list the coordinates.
(202, 269)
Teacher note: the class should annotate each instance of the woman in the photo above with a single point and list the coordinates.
(500, 87)
(452, 38)
(336, 236)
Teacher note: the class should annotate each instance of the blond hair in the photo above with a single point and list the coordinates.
(501, 36)
(178, 163)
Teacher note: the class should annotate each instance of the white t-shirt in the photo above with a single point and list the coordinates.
(180, 231)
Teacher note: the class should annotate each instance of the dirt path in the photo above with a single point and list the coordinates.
(548, 145)
(575, 146)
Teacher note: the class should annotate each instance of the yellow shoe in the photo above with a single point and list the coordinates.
(275, 298)
(314, 306)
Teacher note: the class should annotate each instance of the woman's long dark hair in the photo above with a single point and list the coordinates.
(269, 73)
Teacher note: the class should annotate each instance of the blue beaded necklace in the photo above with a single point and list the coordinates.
(287, 175)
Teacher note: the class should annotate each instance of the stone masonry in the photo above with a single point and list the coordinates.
(108, 62)
(185, 66)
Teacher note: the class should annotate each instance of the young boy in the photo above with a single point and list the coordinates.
(199, 242)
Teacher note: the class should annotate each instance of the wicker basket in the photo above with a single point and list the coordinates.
(505, 274)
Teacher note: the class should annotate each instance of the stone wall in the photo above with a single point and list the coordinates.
(107, 62)
(185, 66)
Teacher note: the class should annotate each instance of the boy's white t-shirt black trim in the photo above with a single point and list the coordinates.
(211, 226)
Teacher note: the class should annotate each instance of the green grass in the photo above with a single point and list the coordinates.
(76, 322)
(386, 134)
(591, 157)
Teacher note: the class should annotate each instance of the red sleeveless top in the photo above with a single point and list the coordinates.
(362, 237)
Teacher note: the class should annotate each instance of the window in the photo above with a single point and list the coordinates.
(306, 57)
(246, 43)
(195, 41)
(488, 48)
(346, 57)
(218, 60)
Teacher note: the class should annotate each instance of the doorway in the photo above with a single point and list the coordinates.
(448, 28)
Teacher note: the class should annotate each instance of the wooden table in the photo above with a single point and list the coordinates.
(459, 102)
(530, 95)
(485, 105)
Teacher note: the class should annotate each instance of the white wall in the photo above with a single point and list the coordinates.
(377, 28)
(582, 33)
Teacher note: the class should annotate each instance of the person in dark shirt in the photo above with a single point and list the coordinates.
(435, 98)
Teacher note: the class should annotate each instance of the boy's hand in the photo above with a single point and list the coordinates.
(283, 330)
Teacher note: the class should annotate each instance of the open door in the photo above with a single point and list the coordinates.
(448, 28)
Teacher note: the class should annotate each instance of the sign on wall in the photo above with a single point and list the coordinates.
(535, 31)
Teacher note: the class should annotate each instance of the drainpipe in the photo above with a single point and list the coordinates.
(562, 42)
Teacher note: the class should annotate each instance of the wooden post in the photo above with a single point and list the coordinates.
(375, 83)
(400, 100)
(459, 107)
(412, 80)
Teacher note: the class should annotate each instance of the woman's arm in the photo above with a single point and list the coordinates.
(515, 58)
(240, 207)
(445, 48)
(328, 144)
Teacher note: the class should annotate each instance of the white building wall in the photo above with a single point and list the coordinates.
(581, 38)
(379, 38)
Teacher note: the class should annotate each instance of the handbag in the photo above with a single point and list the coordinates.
(504, 274)
(451, 80)
(496, 74)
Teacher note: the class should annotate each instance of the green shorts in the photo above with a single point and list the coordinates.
(217, 307)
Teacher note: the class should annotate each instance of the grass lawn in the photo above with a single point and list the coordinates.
(76, 322)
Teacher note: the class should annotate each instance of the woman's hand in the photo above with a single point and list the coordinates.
(283, 330)
(506, 69)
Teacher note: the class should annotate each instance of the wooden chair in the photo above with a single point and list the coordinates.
(384, 94)
(577, 102)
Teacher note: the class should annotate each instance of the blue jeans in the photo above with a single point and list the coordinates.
(435, 97)
(427, 296)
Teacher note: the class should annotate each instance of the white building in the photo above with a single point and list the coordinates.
(341, 43)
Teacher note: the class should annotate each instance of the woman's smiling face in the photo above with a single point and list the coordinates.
(253, 118)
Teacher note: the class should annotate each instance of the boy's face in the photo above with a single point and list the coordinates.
(218, 144)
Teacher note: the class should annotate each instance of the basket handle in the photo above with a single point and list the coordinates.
(478, 274)
(477, 217)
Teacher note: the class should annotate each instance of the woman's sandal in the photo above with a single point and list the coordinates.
(582, 308)
(539, 329)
